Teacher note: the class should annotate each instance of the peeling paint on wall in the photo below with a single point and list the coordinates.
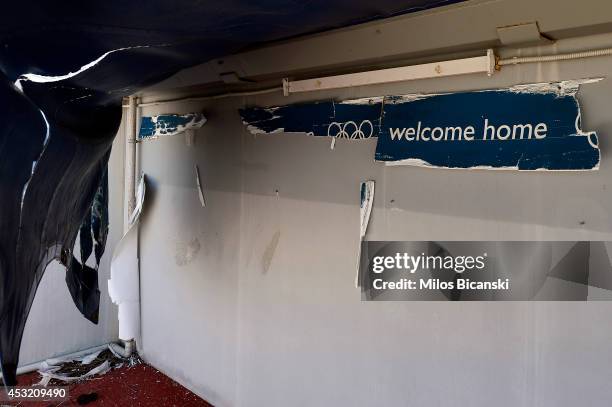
(152, 127)
(359, 119)
(524, 127)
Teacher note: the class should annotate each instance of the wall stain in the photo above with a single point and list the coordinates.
(186, 251)
(269, 252)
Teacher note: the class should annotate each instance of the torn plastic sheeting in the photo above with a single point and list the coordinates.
(81, 279)
(140, 195)
(124, 283)
(87, 359)
(152, 127)
(365, 210)
(50, 372)
(49, 369)
(40, 223)
(84, 359)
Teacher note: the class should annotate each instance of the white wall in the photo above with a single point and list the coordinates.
(263, 310)
(190, 258)
(55, 326)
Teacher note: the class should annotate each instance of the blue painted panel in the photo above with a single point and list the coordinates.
(561, 147)
(527, 127)
(350, 119)
(169, 124)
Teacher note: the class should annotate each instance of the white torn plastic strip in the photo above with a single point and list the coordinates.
(51, 373)
(140, 194)
(87, 359)
(124, 283)
(50, 367)
(199, 185)
(56, 78)
(365, 209)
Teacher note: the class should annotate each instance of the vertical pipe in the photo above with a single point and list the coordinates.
(131, 124)
(130, 158)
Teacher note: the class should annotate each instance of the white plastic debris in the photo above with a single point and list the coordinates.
(365, 209)
(199, 185)
(44, 78)
(49, 369)
(140, 194)
(123, 285)
(87, 359)
(51, 373)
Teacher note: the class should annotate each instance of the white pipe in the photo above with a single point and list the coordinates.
(130, 190)
(130, 158)
(124, 351)
(210, 97)
(555, 57)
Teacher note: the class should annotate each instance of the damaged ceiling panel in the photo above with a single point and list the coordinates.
(64, 68)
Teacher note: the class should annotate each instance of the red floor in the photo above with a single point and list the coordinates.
(140, 385)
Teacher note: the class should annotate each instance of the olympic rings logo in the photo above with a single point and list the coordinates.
(350, 130)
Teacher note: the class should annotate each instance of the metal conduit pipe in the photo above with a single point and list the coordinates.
(554, 57)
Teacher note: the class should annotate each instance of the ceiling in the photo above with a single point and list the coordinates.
(55, 38)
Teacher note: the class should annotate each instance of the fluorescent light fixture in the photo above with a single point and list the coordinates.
(482, 64)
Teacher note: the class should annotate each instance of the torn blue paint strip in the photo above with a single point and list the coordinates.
(169, 124)
(357, 119)
(525, 127)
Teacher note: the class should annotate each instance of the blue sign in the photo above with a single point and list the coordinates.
(527, 127)
(169, 124)
(358, 119)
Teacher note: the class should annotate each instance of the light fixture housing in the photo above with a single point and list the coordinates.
(481, 64)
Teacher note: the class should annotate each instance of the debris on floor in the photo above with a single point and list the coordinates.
(127, 383)
(57, 372)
